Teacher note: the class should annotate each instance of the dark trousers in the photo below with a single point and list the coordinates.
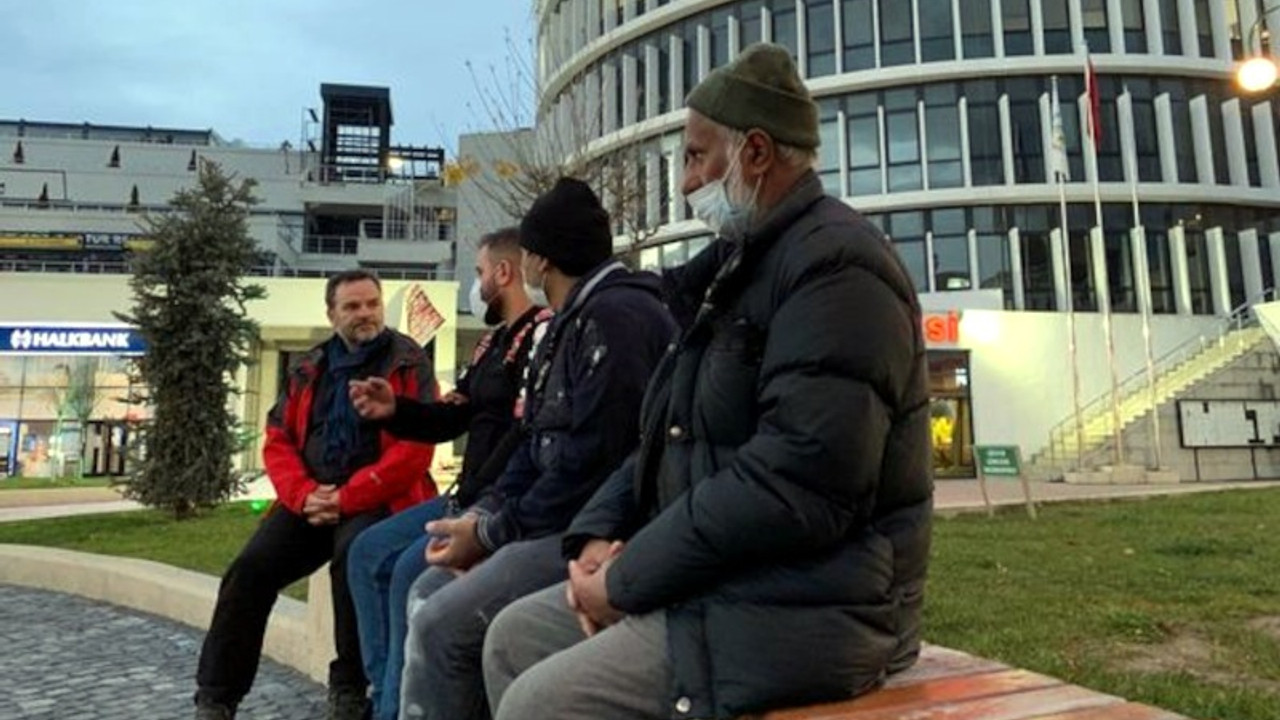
(285, 549)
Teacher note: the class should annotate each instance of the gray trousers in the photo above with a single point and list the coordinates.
(448, 616)
(538, 664)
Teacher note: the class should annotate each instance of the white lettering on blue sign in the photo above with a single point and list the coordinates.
(72, 340)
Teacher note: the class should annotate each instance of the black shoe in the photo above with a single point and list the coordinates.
(348, 704)
(213, 711)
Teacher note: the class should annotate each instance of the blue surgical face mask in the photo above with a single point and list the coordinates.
(713, 205)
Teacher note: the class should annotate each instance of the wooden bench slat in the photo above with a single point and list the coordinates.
(1126, 711)
(938, 662)
(1011, 706)
(917, 695)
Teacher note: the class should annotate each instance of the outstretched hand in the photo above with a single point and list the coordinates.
(373, 398)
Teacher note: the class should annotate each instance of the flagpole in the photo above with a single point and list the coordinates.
(1144, 298)
(1060, 173)
(1100, 262)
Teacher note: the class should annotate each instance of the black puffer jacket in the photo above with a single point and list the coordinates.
(779, 507)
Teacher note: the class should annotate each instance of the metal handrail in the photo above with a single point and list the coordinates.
(1238, 318)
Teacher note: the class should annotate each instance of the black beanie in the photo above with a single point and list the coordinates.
(568, 226)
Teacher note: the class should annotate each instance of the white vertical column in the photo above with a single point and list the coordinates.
(1219, 283)
(1187, 28)
(766, 23)
(1221, 33)
(966, 164)
(1046, 135)
(837, 20)
(651, 70)
(704, 52)
(676, 79)
(1061, 273)
(1115, 25)
(653, 186)
(1155, 28)
(1264, 132)
(630, 102)
(997, 38)
(930, 265)
(609, 88)
(884, 149)
(1202, 140)
(1178, 268)
(915, 29)
(1128, 140)
(975, 277)
(875, 32)
(842, 141)
(802, 40)
(1233, 131)
(1251, 264)
(593, 20)
(1141, 269)
(1006, 139)
(1015, 269)
(1273, 244)
(1037, 24)
(957, 32)
(1248, 16)
(610, 15)
(1076, 16)
(922, 132)
(735, 36)
(1098, 266)
(1165, 139)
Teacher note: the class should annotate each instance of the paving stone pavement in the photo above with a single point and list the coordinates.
(63, 657)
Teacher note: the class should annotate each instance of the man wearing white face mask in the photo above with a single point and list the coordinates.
(580, 420)
(767, 543)
(386, 559)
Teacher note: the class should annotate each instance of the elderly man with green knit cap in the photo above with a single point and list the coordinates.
(766, 546)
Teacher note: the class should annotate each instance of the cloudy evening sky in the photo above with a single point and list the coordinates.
(247, 68)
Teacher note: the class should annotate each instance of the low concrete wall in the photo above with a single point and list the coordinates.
(299, 634)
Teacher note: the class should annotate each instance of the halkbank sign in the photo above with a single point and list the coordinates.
(70, 340)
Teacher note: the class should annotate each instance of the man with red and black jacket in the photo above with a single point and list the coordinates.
(334, 475)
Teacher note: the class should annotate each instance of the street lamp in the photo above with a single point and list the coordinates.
(1259, 72)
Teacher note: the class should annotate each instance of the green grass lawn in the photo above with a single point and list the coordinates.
(18, 483)
(1169, 601)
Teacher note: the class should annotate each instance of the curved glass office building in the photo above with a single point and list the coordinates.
(937, 123)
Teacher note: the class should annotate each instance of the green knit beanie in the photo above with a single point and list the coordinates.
(760, 89)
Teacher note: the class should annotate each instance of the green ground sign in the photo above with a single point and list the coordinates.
(998, 460)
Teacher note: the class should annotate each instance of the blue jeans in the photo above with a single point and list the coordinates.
(381, 566)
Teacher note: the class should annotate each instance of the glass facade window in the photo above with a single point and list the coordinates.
(1121, 286)
(640, 86)
(1250, 145)
(906, 230)
(1146, 136)
(897, 46)
(862, 119)
(950, 230)
(690, 40)
(902, 131)
(1183, 144)
(1080, 219)
(1171, 24)
(749, 23)
(1016, 16)
(994, 268)
(1204, 26)
(942, 133)
(829, 147)
(1198, 271)
(719, 37)
(784, 24)
(820, 37)
(1033, 226)
(859, 35)
(975, 29)
(985, 147)
(665, 102)
(1110, 160)
(1057, 27)
(1028, 136)
(1094, 15)
(1135, 25)
(937, 35)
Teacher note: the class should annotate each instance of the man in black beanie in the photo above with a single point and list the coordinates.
(580, 415)
(767, 543)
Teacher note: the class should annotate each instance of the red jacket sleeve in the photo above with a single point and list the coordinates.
(281, 455)
(402, 463)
